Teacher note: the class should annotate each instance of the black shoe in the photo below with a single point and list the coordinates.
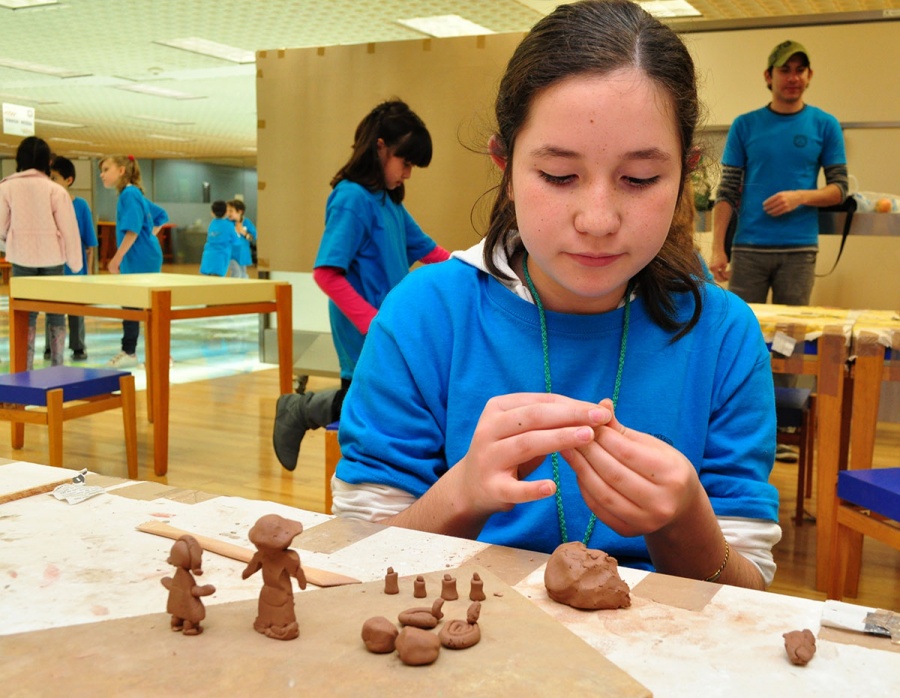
(47, 354)
(79, 356)
(289, 430)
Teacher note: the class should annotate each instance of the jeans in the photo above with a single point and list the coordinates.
(790, 275)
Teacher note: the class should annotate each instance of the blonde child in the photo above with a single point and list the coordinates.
(137, 223)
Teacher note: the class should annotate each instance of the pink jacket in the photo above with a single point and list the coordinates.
(37, 222)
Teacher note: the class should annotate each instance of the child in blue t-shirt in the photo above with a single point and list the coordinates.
(220, 239)
(241, 253)
(138, 221)
(62, 171)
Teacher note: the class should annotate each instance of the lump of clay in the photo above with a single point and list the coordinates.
(379, 635)
(800, 646)
(460, 634)
(584, 578)
(421, 617)
(417, 647)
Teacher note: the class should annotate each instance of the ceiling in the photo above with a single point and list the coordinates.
(113, 44)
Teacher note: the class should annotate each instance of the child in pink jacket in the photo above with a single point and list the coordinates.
(40, 231)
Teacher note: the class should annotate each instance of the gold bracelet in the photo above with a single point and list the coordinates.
(714, 577)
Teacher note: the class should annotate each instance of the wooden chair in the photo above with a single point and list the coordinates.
(795, 408)
(332, 456)
(869, 505)
(91, 390)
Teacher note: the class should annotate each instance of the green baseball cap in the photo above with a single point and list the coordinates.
(782, 53)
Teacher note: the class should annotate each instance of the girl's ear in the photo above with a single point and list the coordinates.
(497, 152)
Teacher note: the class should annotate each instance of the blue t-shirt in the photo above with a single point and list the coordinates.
(137, 214)
(450, 337)
(220, 239)
(779, 152)
(87, 232)
(375, 242)
(240, 252)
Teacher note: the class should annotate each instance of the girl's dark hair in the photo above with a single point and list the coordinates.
(33, 153)
(597, 37)
(403, 133)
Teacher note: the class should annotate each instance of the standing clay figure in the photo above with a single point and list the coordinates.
(391, 585)
(448, 588)
(800, 646)
(419, 587)
(184, 595)
(272, 534)
(476, 591)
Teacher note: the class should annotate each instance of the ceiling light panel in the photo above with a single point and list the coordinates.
(206, 47)
(155, 91)
(445, 26)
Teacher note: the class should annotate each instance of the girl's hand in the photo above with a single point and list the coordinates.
(634, 483)
(113, 266)
(514, 435)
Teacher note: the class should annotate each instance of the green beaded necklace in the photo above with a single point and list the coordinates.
(554, 457)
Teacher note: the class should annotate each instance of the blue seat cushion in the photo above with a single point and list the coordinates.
(790, 405)
(877, 489)
(77, 383)
(334, 426)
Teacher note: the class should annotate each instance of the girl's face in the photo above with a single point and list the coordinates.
(111, 173)
(594, 181)
(232, 214)
(396, 169)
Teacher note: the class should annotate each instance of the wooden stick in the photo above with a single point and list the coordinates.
(31, 491)
(316, 577)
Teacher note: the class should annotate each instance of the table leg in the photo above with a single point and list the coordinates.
(866, 395)
(18, 358)
(160, 323)
(832, 360)
(284, 312)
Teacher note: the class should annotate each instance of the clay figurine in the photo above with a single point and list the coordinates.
(460, 634)
(421, 617)
(379, 635)
(800, 646)
(584, 578)
(448, 588)
(184, 595)
(391, 585)
(476, 591)
(272, 534)
(419, 587)
(417, 647)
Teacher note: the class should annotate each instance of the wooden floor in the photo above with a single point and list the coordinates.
(221, 442)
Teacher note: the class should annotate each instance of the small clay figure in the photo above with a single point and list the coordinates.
(448, 588)
(272, 534)
(585, 578)
(417, 647)
(391, 585)
(800, 646)
(419, 587)
(476, 591)
(460, 634)
(184, 595)
(421, 617)
(379, 635)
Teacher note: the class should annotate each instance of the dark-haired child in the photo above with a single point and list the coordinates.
(220, 239)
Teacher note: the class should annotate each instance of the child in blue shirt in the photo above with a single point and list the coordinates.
(220, 239)
(138, 221)
(62, 171)
(241, 253)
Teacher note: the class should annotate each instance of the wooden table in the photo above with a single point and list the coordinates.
(822, 339)
(86, 565)
(156, 300)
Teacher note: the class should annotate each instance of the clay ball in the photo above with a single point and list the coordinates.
(379, 634)
(584, 578)
(800, 646)
(417, 647)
